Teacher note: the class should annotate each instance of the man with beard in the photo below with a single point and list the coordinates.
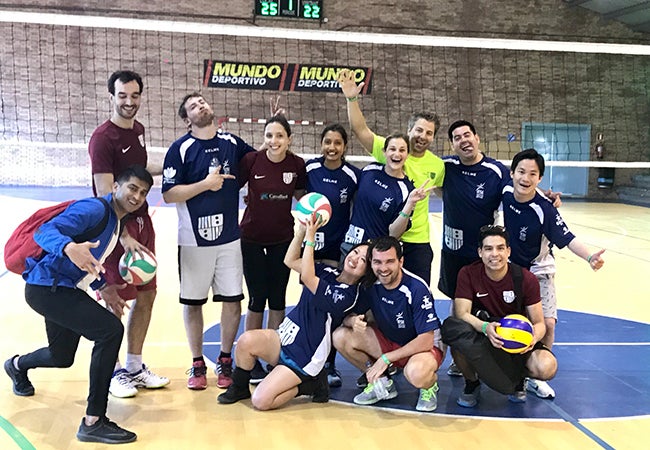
(405, 331)
(421, 166)
(200, 175)
(115, 145)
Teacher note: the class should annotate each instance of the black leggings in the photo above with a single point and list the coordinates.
(70, 314)
(266, 275)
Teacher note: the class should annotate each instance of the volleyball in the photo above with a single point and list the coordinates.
(516, 332)
(311, 203)
(136, 269)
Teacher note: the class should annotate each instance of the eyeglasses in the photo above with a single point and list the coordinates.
(497, 228)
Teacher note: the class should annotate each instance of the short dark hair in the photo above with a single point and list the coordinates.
(182, 112)
(337, 127)
(385, 243)
(529, 153)
(458, 124)
(403, 136)
(492, 230)
(429, 117)
(136, 171)
(124, 76)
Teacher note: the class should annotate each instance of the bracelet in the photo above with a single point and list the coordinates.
(385, 359)
(352, 99)
(310, 244)
(484, 328)
(403, 214)
(589, 258)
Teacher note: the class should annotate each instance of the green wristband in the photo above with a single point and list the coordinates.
(589, 258)
(385, 359)
(403, 214)
(484, 328)
(352, 99)
(310, 244)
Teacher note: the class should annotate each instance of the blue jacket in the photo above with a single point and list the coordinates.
(55, 268)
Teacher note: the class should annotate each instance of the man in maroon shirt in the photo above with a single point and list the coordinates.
(485, 292)
(115, 145)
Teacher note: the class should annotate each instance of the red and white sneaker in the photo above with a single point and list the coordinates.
(224, 372)
(197, 379)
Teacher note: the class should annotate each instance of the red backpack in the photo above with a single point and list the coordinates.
(21, 244)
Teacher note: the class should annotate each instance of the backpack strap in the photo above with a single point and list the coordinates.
(97, 229)
(518, 281)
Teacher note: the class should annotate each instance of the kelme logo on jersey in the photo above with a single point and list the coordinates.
(168, 175)
(210, 227)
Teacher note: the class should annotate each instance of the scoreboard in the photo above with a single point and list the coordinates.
(296, 9)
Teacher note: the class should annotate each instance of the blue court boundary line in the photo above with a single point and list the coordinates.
(16, 435)
(576, 423)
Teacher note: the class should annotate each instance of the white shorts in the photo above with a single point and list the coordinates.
(218, 267)
(547, 292)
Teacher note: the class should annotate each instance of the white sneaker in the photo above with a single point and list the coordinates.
(146, 378)
(122, 385)
(540, 388)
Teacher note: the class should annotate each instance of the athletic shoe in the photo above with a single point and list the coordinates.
(233, 394)
(122, 385)
(333, 376)
(258, 373)
(454, 371)
(197, 379)
(362, 381)
(104, 431)
(519, 396)
(428, 400)
(540, 388)
(22, 386)
(369, 397)
(322, 390)
(469, 400)
(224, 372)
(147, 379)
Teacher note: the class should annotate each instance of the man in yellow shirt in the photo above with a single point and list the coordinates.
(421, 165)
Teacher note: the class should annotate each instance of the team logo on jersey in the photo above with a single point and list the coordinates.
(354, 235)
(399, 320)
(288, 330)
(480, 190)
(508, 296)
(426, 303)
(210, 227)
(343, 195)
(288, 177)
(225, 167)
(560, 223)
(319, 241)
(522, 233)
(432, 175)
(141, 139)
(168, 175)
(431, 317)
(140, 222)
(337, 296)
(386, 204)
(453, 238)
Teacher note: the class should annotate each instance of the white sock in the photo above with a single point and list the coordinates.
(133, 363)
(16, 362)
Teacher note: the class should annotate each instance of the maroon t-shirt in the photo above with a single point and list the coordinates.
(496, 297)
(112, 149)
(267, 218)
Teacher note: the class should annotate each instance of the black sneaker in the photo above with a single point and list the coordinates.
(22, 385)
(104, 431)
(362, 381)
(333, 376)
(258, 373)
(322, 389)
(233, 394)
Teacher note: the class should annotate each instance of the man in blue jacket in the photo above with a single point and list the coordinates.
(56, 289)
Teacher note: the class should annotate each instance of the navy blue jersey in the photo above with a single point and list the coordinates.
(379, 200)
(339, 186)
(534, 227)
(306, 332)
(402, 313)
(211, 217)
(471, 196)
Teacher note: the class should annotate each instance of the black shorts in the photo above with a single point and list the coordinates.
(450, 265)
(417, 259)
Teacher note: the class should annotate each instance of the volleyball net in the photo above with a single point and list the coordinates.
(554, 96)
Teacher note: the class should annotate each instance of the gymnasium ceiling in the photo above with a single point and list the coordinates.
(635, 14)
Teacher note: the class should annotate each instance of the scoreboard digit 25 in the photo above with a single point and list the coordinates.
(296, 9)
